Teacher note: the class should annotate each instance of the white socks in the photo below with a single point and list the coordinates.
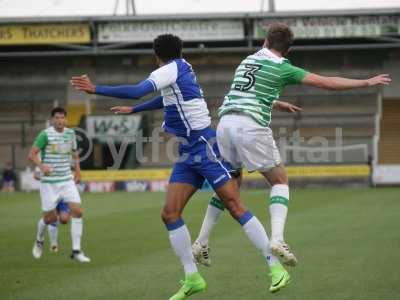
(278, 209)
(214, 211)
(53, 233)
(251, 226)
(76, 233)
(41, 227)
(258, 236)
(181, 243)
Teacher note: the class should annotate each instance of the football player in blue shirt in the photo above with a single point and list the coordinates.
(186, 116)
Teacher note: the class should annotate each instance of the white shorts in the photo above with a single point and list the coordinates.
(51, 194)
(245, 143)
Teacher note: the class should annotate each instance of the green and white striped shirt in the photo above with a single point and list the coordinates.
(56, 150)
(259, 81)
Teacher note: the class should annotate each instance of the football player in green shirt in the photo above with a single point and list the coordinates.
(56, 146)
(245, 138)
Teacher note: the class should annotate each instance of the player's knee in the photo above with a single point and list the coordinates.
(169, 216)
(64, 219)
(234, 206)
(77, 213)
(49, 219)
(280, 180)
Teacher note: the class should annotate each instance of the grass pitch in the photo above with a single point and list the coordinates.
(347, 242)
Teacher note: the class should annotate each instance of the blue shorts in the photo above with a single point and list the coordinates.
(199, 159)
(62, 207)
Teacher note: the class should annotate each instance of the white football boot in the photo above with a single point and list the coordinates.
(282, 250)
(80, 256)
(201, 254)
(37, 249)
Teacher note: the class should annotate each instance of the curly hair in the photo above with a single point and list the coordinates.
(167, 47)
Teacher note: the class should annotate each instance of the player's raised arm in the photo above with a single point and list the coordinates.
(83, 83)
(341, 83)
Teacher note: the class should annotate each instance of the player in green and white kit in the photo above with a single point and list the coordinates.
(56, 146)
(243, 133)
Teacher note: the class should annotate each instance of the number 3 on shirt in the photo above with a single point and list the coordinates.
(250, 76)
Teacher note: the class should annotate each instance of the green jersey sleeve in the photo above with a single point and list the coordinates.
(292, 74)
(41, 140)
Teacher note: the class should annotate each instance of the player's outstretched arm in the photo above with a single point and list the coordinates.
(83, 83)
(341, 83)
(153, 104)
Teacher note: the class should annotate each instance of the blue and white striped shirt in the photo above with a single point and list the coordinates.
(184, 106)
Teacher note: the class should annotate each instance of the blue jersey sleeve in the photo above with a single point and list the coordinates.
(127, 91)
(164, 76)
(153, 104)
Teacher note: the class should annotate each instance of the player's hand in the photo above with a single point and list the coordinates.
(83, 83)
(45, 169)
(382, 79)
(77, 177)
(122, 110)
(36, 176)
(286, 107)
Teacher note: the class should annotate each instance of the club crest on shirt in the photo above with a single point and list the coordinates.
(63, 148)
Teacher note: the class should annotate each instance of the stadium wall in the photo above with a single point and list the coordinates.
(334, 128)
(29, 87)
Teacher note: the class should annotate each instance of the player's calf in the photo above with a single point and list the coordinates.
(48, 218)
(279, 201)
(53, 236)
(76, 233)
(229, 195)
(200, 247)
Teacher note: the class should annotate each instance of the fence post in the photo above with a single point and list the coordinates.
(13, 161)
